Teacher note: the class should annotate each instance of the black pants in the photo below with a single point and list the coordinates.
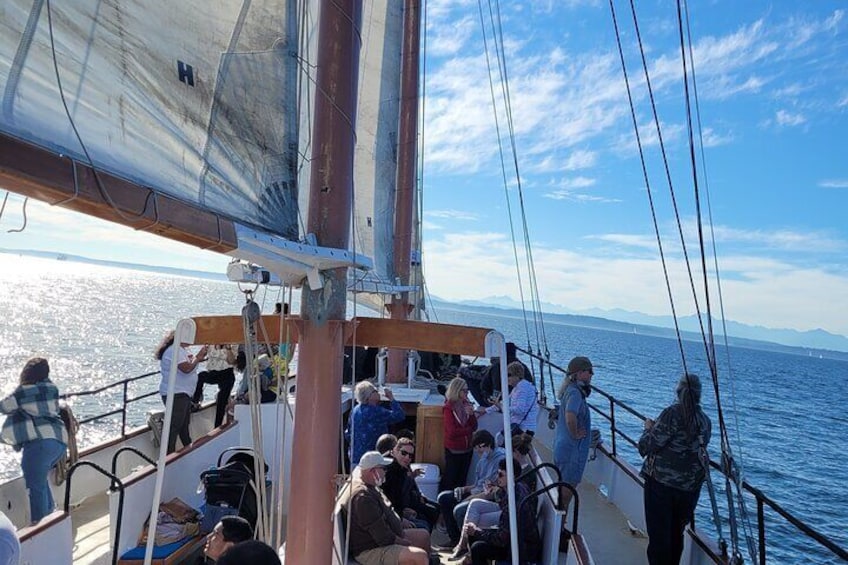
(428, 510)
(225, 380)
(482, 552)
(180, 419)
(456, 469)
(667, 511)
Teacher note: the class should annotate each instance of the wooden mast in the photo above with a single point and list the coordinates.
(406, 172)
(318, 409)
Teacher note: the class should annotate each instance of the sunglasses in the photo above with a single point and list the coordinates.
(407, 453)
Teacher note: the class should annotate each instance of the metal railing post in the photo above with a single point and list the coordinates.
(761, 530)
(612, 426)
(124, 413)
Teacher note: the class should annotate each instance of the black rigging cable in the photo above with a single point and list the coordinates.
(531, 268)
(503, 168)
(648, 185)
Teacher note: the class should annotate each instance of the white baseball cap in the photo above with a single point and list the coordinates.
(371, 459)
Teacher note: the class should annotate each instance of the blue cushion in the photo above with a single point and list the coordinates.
(159, 551)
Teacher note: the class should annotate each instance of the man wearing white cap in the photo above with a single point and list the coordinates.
(377, 534)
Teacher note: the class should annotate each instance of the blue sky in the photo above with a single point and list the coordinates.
(773, 86)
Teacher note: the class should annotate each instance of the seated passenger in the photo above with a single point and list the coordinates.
(227, 533)
(253, 552)
(494, 543)
(454, 503)
(386, 443)
(368, 420)
(377, 534)
(266, 380)
(402, 491)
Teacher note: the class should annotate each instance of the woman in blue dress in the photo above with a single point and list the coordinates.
(571, 448)
(368, 420)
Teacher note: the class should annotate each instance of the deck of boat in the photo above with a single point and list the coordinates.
(609, 536)
(90, 526)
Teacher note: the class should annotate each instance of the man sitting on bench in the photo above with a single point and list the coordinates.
(377, 534)
(226, 533)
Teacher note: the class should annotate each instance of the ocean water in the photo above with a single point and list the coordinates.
(784, 413)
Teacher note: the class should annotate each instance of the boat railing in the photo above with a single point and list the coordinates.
(114, 485)
(762, 500)
(126, 400)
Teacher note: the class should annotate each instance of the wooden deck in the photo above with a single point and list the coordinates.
(90, 525)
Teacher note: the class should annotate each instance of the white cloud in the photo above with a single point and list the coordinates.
(834, 183)
(754, 288)
(52, 228)
(715, 139)
(451, 214)
(786, 118)
(627, 240)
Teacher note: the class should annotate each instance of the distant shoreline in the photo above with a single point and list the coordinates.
(117, 264)
(596, 322)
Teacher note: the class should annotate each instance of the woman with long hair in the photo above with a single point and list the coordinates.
(460, 422)
(571, 447)
(676, 463)
(184, 387)
(33, 425)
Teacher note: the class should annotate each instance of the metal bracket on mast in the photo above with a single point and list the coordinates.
(291, 261)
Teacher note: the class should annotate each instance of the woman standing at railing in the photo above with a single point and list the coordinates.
(34, 426)
(675, 451)
(184, 387)
(571, 447)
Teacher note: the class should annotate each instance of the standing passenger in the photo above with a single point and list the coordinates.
(34, 426)
(368, 421)
(460, 422)
(523, 408)
(219, 371)
(676, 463)
(184, 387)
(571, 447)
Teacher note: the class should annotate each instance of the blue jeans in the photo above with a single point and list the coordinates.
(38, 458)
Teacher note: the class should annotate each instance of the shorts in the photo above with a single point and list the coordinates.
(385, 555)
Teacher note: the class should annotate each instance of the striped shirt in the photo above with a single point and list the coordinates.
(32, 412)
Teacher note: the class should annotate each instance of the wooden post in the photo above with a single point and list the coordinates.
(406, 172)
(316, 426)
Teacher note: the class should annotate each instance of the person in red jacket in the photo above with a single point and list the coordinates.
(460, 423)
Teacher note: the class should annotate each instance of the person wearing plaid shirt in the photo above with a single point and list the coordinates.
(33, 426)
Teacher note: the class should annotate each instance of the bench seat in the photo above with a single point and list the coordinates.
(169, 554)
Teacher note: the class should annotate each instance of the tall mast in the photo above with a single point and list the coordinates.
(405, 191)
(316, 426)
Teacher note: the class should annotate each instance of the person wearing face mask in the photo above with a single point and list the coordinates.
(377, 533)
(571, 447)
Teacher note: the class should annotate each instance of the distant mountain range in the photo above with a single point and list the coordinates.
(813, 342)
(809, 343)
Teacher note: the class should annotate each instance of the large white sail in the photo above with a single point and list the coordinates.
(194, 99)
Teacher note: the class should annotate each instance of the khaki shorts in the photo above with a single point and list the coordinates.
(385, 555)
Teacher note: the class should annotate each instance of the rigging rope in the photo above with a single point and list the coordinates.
(503, 174)
(535, 300)
(649, 192)
(731, 468)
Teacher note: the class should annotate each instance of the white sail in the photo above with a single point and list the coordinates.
(193, 98)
